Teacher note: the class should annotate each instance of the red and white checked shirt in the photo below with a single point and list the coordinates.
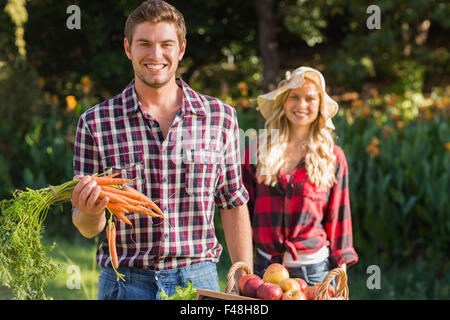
(295, 216)
(195, 168)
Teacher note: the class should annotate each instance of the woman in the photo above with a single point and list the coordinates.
(298, 184)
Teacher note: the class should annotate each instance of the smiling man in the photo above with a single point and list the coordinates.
(182, 149)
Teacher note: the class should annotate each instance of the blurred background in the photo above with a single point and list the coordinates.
(393, 123)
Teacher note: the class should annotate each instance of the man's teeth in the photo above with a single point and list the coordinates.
(155, 66)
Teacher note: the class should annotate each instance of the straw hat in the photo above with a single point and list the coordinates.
(328, 107)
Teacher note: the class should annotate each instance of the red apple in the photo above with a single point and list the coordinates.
(275, 273)
(293, 295)
(250, 286)
(303, 284)
(244, 279)
(269, 291)
(289, 285)
(311, 291)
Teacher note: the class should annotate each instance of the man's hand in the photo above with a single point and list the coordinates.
(88, 215)
(85, 196)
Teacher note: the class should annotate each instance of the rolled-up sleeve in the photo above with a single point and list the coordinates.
(338, 223)
(231, 191)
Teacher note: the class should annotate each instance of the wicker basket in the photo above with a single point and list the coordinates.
(232, 290)
(341, 286)
(231, 282)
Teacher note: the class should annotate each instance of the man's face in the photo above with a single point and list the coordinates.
(155, 53)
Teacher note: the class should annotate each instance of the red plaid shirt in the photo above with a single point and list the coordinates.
(294, 216)
(195, 168)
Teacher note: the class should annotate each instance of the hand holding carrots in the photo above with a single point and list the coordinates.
(96, 193)
(85, 196)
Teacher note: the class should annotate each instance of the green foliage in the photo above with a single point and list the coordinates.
(24, 265)
(400, 184)
(188, 293)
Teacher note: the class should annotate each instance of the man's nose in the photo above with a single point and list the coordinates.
(155, 51)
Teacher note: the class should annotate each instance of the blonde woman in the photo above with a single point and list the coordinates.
(298, 187)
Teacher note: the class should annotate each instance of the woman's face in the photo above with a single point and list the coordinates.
(302, 104)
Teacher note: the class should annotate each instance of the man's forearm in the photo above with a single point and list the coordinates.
(88, 225)
(238, 234)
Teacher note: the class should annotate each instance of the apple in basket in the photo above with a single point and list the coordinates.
(250, 286)
(303, 284)
(312, 290)
(275, 273)
(269, 291)
(293, 295)
(244, 279)
(291, 290)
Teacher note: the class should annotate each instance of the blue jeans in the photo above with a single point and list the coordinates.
(312, 274)
(145, 284)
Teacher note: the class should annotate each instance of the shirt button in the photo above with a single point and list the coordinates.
(164, 180)
(164, 152)
(166, 235)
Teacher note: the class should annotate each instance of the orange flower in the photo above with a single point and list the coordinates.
(243, 88)
(86, 84)
(357, 103)
(387, 131)
(41, 82)
(71, 102)
(372, 149)
(447, 146)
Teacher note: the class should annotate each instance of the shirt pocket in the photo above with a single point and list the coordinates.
(129, 165)
(314, 199)
(202, 171)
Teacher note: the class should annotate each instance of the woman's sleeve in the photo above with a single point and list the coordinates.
(338, 222)
(249, 175)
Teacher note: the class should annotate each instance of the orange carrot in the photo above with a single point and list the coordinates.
(111, 237)
(138, 197)
(111, 175)
(112, 197)
(102, 181)
(121, 216)
(143, 198)
(119, 211)
(140, 209)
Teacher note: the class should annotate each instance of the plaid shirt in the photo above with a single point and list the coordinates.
(294, 216)
(195, 168)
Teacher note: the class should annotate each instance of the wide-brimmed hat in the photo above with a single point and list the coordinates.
(294, 79)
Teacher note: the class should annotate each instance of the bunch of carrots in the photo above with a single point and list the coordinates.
(27, 270)
(122, 199)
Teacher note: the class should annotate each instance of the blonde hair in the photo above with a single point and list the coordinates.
(320, 160)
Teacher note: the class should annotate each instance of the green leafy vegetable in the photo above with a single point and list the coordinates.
(24, 262)
(188, 293)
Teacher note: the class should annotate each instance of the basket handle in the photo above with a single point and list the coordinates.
(231, 282)
(341, 285)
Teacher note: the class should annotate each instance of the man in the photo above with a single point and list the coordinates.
(181, 148)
